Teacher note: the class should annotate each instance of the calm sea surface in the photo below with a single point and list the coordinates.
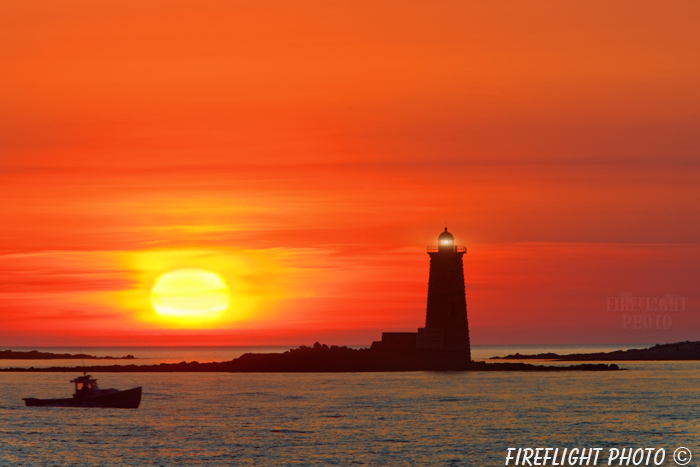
(401, 419)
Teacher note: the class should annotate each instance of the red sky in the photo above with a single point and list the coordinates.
(308, 152)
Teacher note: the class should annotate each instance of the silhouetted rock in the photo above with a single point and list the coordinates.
(677, 351)
(36, 355)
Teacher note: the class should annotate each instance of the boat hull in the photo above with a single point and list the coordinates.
(128, 399)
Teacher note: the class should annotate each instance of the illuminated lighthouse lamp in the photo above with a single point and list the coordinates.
(446, 241)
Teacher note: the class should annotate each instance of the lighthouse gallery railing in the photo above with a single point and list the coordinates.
(456, 248)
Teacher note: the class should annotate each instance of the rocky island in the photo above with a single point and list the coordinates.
(333, 359)
(36, 355)
(678, 351)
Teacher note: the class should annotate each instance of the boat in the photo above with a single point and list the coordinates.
(87, 394)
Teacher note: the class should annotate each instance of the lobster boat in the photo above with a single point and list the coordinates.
(87, 394)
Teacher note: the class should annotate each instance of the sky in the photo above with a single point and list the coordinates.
(308, 152)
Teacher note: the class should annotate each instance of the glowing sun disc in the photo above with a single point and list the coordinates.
(190, 294)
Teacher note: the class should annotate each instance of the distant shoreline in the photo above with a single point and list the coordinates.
(660, 352)
(324, 359)
(36, 355)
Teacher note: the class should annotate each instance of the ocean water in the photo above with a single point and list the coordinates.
(402, 419)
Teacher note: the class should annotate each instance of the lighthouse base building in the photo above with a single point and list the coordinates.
(446, 325)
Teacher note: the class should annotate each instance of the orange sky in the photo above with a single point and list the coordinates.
(309, 151)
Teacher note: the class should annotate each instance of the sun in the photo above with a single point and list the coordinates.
(190, 296)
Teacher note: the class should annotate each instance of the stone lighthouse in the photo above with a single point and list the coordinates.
(446, 314)
(446, 328)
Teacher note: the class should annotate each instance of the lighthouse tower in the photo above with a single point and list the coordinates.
(446, 324)
(446, 331)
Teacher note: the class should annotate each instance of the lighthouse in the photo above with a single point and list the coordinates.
(446, 328)
(446, 313)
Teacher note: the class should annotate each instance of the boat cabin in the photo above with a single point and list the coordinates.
(85, 386)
